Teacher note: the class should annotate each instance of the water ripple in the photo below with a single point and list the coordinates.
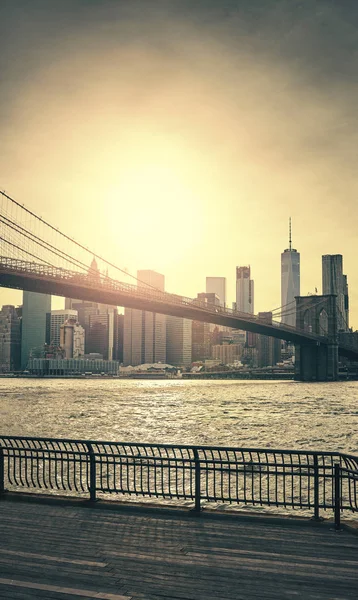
(259, 414)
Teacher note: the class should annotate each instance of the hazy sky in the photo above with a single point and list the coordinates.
(180, 135)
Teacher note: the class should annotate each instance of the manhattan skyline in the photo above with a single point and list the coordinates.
(181, 139)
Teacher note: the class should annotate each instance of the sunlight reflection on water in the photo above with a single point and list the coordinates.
(276, 414)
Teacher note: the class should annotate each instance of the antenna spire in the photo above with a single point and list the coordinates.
(290, 236)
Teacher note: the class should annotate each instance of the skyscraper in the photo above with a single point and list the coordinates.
(179, 332)
(118, 336)
(217, 285)
(85, 310)
(244, 290)
(290, 282)
(101, 332)
(268, 348)
(334, 282)
(144, 335)
(36, 318)
(202, 332)
(346, 301)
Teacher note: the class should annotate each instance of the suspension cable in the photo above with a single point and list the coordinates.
(67, 237)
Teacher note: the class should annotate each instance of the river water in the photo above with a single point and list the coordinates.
(275, 414)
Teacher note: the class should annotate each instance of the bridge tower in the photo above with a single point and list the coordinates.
(317, 361)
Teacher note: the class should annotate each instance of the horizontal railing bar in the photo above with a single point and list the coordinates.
(42, 451)
(267, 502)
(181, 446)
(144, 459)
(147, 493)
(117, 458)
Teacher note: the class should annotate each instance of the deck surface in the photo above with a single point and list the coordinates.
(71, 552)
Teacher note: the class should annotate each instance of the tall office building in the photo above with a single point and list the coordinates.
(346, 301)
(58, 318)
(217, 285)
(202, 333)
(84, 310)
(334, 282)
(144, 333)
(290, 282)
(133, 326)
(118, 336)
(36, 319)
(244, 290)
(148, 278)
(154, 339)
(207, 298)
(179, 341)
(101, 332)
(10, 340)
(268, 348)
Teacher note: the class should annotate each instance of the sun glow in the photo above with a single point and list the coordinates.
(159, 204)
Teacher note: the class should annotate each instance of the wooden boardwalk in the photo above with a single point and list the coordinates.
(65, 551)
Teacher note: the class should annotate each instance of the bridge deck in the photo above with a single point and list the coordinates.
(66, 551)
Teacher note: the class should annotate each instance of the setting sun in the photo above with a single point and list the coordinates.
(157, 201)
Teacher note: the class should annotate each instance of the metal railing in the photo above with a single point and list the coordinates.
(258, 477)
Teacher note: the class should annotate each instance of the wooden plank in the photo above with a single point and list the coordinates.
(65, 551)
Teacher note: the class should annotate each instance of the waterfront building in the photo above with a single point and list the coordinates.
(179, 341)
(10, 340)
(244, 290)
(290, 282)
(58, 318)
(36, 319)
(334, 282)
(249, 356)
(72, 366)
(72, 339)
(144, 333)
(226, 353)
(217, 285)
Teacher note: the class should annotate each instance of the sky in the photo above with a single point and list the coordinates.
(180, 136)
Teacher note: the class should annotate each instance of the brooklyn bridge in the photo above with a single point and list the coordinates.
(36, 256)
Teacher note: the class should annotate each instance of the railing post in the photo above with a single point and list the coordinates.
(337, 496)
(316, 487)
(92, 480)
(2, 472)
(197, 481)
